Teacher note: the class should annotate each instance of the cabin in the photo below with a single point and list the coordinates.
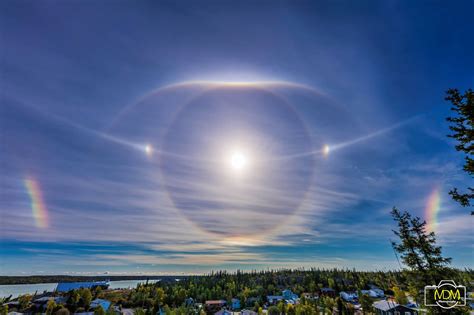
(376, 291)
(391, 308)
(274, 299)
(371, 293)
(289, 295)
(349, 296)
(68, 286)
(309, 296)
(235, 304)
(99, 302)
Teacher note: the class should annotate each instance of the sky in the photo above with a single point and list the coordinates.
(180, 137)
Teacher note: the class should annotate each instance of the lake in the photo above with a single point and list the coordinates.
(19, 289)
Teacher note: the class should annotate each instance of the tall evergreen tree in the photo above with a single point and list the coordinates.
(419, 251)
(408, 243)
(462, 126)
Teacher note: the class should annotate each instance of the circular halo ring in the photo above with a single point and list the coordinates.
(207, 86)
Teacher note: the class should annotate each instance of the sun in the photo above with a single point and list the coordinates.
(238, 161)
(148, 149)
(326, 150)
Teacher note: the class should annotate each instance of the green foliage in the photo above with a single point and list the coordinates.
(366, 303)
(418, 248)
(400, 296)
(273, 310)
(254, 286)
(3, 309)
(111, 310)
(50, 307)
(330, 303)
(62, 311)
(140, 311)
(160, 296)
(24, 301)
(420, 254)
(462, 126)
(85, 297)
(99, 310)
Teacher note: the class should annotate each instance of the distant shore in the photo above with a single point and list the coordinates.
(4, 280)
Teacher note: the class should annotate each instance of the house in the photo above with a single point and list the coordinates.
(391, 308)
(349, 296)
(370, 293)
(376, 290)
(274, 299)
(99, 302)
(328, 292)
(223, 312)
(189, 301)
(288, 295)
(68, 286)
(235, 304)
(213, 306)
(310, 296)
(412, 304)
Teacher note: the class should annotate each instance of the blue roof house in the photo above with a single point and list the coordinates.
(99, 302)
(288, 295)
(273, 299)
(235, 303)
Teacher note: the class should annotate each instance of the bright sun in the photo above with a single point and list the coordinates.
(238, 161)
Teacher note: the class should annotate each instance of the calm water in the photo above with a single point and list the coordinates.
(19, 289)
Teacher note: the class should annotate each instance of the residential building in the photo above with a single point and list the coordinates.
(274, 299)
(349, 296)
(378, 292)
(391, 308)
(370, 293)
(235, 304)
(99, 302)
(310, 296)
(289, 295)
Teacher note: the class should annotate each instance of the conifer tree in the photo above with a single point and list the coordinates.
(420, 253)
(462, 126)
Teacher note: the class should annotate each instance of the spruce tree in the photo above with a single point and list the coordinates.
(419, 252)
(462, 126)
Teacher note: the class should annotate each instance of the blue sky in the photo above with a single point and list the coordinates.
(135, 167)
